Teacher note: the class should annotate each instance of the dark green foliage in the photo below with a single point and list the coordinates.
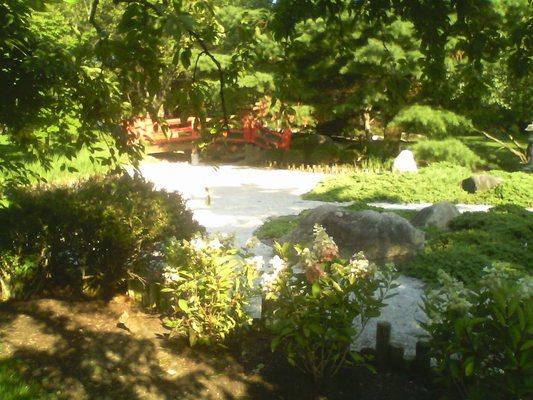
(477, 240)
(13, 386)
(481, 337)
(93, 235)
(449, 150)
(432, 122)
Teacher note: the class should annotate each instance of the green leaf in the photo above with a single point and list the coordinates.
(469, 366)
(182, 304)
(275, 343)
(315, 289)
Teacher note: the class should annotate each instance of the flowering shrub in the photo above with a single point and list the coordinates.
(315, 300)
(210, 284)
(482, 338)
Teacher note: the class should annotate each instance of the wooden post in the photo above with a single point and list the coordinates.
(422, 358)
(383, 333)
(396, 356)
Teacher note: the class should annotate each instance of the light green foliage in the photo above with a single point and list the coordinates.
(15, 387)
(432, 122)
(312, 302)
(476, 240)
(448, 150)
(56, 99)
(92, 236)
(481, 338)
(210, 283)
(439, 182)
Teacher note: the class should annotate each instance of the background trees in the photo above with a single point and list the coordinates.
(72, 70)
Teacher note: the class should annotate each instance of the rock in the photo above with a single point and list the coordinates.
(383, 237)
(438, 215)
(481, 183)
(405, 162)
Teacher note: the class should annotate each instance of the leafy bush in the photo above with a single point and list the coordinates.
(210, 284)
(450, 150)
(482, 338)
(438, 182)
(432, 122)
(16, 273)
(92, 236)
(314, 300)
(477, 239)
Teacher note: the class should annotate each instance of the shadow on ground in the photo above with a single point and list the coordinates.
(75, 349)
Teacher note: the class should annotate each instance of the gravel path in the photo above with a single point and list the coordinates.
(242, 198)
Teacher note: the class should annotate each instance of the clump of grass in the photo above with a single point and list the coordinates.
(64, 171)
(13, 386)
(439, 182)
(276, 227)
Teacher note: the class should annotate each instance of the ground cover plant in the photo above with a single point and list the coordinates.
(481, 337)
(316, 286)
(477, 240)
(209, 283)
(14, 386)
(93, 236)
(438, 182)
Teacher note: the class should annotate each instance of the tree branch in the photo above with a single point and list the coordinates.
(92, 15)
(220, 75)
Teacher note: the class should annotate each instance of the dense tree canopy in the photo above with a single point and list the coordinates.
(71, 71)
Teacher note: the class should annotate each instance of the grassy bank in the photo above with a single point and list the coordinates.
(439, 182)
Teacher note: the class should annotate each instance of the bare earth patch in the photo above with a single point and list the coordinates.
(75, 349)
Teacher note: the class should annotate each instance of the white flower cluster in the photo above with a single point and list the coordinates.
(324, 247)
(257, 262)
(200, 244)
(360, 266)
(275, 266)
(171, 275)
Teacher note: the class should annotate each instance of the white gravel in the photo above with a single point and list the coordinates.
(242, 198)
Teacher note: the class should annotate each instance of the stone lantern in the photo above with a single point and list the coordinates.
(529, 129)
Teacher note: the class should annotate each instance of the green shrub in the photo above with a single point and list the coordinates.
(92, 236)
(324, 155)
(481, 338)
(16, 274)
(450, 150)
(210, 284)
(432, 122)
(313, 301)
(476, 240)
(293, 156)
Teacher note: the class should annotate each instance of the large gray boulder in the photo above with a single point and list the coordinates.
(383, 237)
(481, 183)
(438, 216)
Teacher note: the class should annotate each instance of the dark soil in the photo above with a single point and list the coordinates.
(76, 349)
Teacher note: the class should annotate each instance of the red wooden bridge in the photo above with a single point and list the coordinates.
(175, 134)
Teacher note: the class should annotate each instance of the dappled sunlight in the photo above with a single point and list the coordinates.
(90, 357)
